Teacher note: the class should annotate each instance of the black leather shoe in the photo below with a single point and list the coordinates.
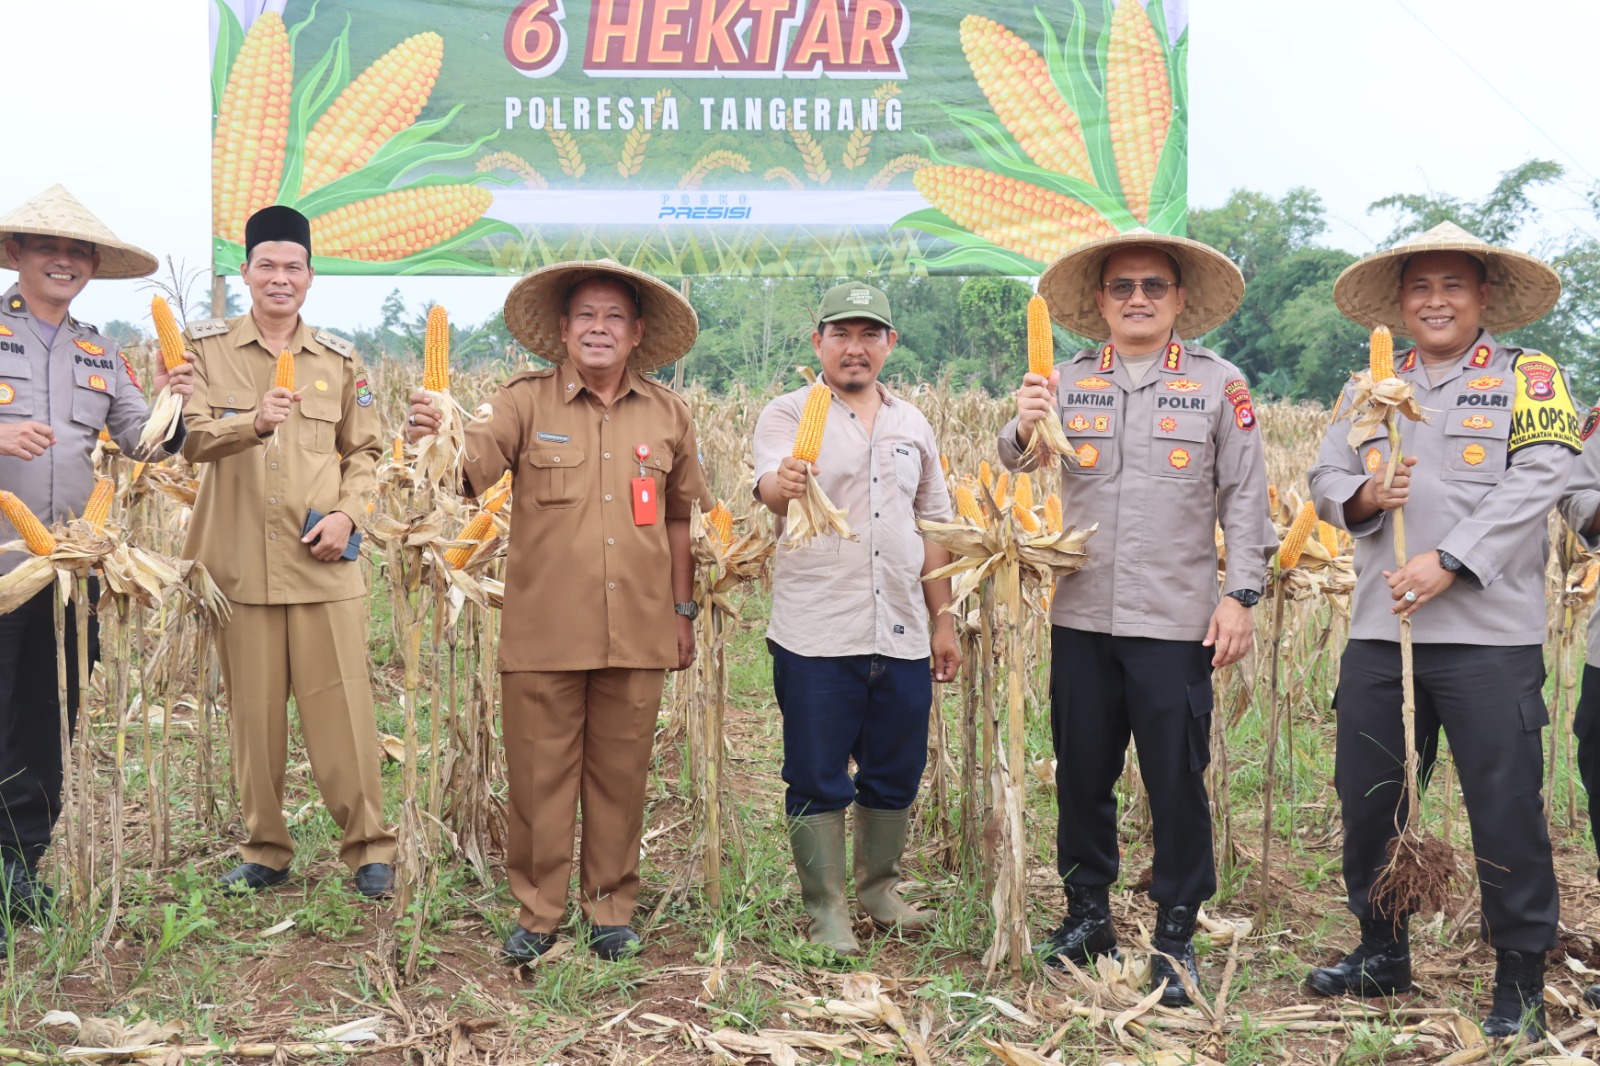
(1174, 936)
(523, 947)
(27, 898)
(1379, 966)
(1085, 932)
(613, 942)
(252, 877)
(375, 880)
(1518, 1008)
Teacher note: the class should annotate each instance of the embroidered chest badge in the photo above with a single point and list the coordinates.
(91, 349)
(97, 382)
(363, 391)
(1179, 458)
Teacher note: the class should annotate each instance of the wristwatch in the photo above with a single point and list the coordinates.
(1248, 597)
(690, 610)
(1450, 562)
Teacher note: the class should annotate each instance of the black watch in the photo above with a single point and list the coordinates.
(1248, 597)
(690, 610)
(1450, 562)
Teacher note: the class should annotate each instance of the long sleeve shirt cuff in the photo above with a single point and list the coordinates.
(1010, 451)
(1340, 490)
(1578, 509)
(1477, 571)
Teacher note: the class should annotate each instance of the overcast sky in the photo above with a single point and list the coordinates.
(1357, 99)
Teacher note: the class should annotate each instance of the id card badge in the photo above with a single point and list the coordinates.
(644, 501)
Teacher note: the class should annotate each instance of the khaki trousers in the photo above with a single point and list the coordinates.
(571, 735)
(318, 650)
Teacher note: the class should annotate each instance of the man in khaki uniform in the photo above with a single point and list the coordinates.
(1480, 477)
(599, 580)
(61, 380)
(274, 456)
(1167, 447)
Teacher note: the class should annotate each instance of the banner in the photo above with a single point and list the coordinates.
(698, 137)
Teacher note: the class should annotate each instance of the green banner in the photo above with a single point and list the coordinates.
(698, 137)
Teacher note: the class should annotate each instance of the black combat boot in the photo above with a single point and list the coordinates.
(1518, 996)
(1085, 932)
(1379, 966)
(1174, 936)
(27, 899)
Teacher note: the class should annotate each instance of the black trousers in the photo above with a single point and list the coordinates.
(30, 722)
(1102, 690)
(1488, 701)
(1586, 727)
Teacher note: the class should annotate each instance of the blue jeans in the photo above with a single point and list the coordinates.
(868, 707)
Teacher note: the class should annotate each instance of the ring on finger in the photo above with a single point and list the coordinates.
(1410, 596)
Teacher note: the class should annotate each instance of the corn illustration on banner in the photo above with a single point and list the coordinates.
(699, 137)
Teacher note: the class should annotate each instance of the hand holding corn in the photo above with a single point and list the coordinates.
(422, 418)
(1036, 401)
(791, 479)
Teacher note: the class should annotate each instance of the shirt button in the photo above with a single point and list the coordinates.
(874, 514)
(230, 399)
(607, 418)
(272, 536)
(272, 499)
(611, 584)
(274, 466)
(608, 497)
(608, 455)
(610, 540)
(557, 458)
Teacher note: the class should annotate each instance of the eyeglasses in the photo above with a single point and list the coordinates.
(1122, 288)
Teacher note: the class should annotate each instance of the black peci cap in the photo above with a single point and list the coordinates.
(276, 223)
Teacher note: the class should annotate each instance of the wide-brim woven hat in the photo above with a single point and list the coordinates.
(1522, 288)
(56, 213)
(536, 303)
(1211, 282)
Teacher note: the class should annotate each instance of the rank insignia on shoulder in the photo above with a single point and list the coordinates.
(334, 342)
(1480, 358)
(1105, 358)
(17, 303)
(1174, 359)
(210, 327)
(1590, 423)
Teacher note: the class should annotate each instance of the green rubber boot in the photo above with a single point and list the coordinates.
(880, 841)
(818, 842)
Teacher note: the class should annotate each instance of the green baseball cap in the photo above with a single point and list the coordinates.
(854, 299)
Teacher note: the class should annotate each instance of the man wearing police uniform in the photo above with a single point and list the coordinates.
(1478, 480)
(1166, 447)
(61, 380)
(287, 472)
(599, 581)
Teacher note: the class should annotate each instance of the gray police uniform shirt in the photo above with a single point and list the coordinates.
(1492, 461)
(1159, 465)
(1578, 505)
(76, 385)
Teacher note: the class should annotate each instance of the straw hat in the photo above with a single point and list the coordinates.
(1212, 283)
(536, 303)
(1521, 287)
(54, 213)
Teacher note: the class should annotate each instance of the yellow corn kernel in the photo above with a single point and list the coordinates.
(1002, 489)
(1054, 520)
(1026, 519)
(283, 375)
(498, 494)
(476, 531)
(384, 99)
(1036, 222)
(1138, 102)
(1022, 491)
(98, 509)
(1017, 83)
(436, 351)
(1272, 501)
(944, 464)
(105, 435)
(721, 520)
(167, 333)
(394, 225)
(252, 128)
(399, 453)
(967, 507)
(38, 539)
(1294, 542)
(1329, 537)
(808, 438)
(985, 474)
(1041, 342)
(1380, 355)
(138, 468)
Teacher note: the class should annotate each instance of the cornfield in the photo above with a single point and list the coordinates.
(148, 956)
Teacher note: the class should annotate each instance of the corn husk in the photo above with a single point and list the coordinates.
(814, 515)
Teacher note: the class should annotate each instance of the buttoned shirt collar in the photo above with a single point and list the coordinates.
(572, 382)
(1411, 368)
(247, 330)
(883, 391)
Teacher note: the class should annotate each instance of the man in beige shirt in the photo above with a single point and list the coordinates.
(599, 580)
(272, 456)
(850, 620)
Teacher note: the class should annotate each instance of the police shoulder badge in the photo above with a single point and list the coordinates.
(1590, 423)
(1542, 412)
(363, 390)
(1244, 413)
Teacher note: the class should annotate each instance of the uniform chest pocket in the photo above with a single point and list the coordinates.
(226, 400)
(1092, 435)
(658, 466)
(16, 388)
(91, 404)
(556, 475)
(1475, 444)
(906, 462)
(1182, 442)
(319, 422)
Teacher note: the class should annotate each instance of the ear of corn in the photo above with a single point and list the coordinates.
(98, 509)
(1054, 520)
(1294, 542)
(252, 127)
(399, 453)
(384, 99)
(394, 225)
(436, 351)
(283, 375)
(1025, 218)
(1017, 83)
(967, 507)
(38, 539)
(1380, 355)
(1041, 342)
(1026, 519)
(1329, 538)
(944, 464)
(498, 494)
(1138, 102)
(808, 438)
(1002, 489)
(167, 332)
(1022, 491)
(985, 474)
(476, 531)
(721, 520)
